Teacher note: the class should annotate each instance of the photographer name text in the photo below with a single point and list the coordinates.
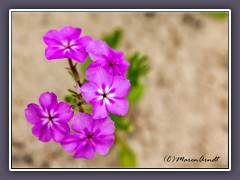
(176, 159)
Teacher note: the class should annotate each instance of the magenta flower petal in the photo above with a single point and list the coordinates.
(103, 78)
(48, 101)
(99, 110)
(121, 86)
(106, 126)
(88, 91)
(59, 131)
(85, 150)
(33, 113)
(65, 112)
(84, 41)
(97, 50)
(71, 142)
(116, 54)
(52, 37)
(120, 67)
(42, 131)
(93, 69)
(70, 32)
(36, 130)
(82, 122)
(54, 53)
(102, 144)
(77, 54)
(105, 137)
(118, 106)
(50, 121)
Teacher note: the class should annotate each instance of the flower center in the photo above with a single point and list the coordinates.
(50, 118)
(89, 136)
(110, 63)
(68, 46)
(104, 95)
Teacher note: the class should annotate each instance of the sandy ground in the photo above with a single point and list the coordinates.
(184, 111)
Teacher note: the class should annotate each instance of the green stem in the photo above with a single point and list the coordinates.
(80, 107)
(75, 72)
(77, 79)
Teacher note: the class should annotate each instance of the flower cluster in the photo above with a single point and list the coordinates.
(105, 88)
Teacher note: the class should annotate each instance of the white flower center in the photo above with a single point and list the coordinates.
(105, 94)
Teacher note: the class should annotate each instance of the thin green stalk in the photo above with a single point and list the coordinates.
(74, 72)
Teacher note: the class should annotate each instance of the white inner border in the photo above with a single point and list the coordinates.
(120, 10)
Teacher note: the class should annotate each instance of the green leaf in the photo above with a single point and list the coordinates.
(87, 108)
(115, 117)
(219, 15)
(135, 94)
(72, 91)
(113, 38)
(70, 99)
(120, 123)
(126, 156)
(139, 66)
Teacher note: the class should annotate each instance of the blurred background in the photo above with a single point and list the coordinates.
(184, 108)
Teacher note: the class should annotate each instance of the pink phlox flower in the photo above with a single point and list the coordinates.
(106, 93)
(104, 56)
(92, 136)
(66, 43)
(50, 121)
